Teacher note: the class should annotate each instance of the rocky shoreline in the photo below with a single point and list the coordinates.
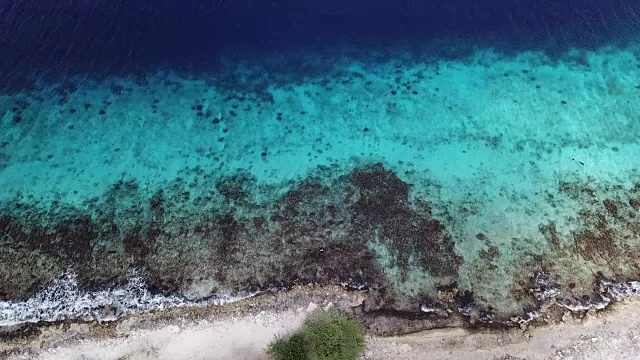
(453, 310)
(32, 339)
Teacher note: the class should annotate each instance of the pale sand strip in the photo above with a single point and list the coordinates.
(233, 338)
(611, 335)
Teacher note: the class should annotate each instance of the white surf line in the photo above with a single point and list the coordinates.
(547, 292)
(64, 300)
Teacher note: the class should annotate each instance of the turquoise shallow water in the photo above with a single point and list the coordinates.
(398, 169)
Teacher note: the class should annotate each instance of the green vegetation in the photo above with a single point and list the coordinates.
(292, 348)
(324, 336)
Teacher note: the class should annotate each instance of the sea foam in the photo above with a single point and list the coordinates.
(63, 299)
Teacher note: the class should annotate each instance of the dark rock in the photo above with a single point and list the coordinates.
(611, 207)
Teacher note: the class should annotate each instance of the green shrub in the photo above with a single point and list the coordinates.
(324, 336)
(292, 348)
(333, 336)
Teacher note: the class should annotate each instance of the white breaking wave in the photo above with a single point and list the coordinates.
(64, 300)
(547, 293)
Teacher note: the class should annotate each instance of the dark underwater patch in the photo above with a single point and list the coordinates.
(316, 233)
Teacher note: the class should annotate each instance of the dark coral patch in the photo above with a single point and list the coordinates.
(598, 244)
(69, 239)
(318, 232)
(28, 252)
(236, 187)
(383, 206)
(382, 193)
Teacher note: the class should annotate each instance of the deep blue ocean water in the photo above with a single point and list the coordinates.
(129, 36)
